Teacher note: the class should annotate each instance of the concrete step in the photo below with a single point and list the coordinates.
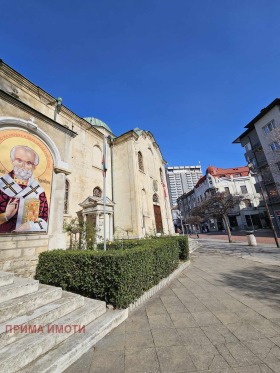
(23, 351)
(6, 278)
(27, 303)
(40, 316)
(23, 266)
(61, 357)
(19, 287)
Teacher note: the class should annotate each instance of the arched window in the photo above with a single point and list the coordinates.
(66, 197)
(97, 192)
(140, 161)
(155, 198)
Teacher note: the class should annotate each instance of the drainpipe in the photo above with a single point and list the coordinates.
(111, 143)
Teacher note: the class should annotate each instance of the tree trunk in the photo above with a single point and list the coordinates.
(225, 219)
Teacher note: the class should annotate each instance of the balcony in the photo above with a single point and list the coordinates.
(262, 163)
(257, 147)
(273, 200)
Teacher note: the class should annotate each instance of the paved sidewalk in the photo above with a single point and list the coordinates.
(222, 314)
(263, 236)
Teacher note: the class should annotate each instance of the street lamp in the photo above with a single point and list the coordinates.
(179, 214)
(255, 173)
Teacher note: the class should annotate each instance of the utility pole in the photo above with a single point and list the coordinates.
(254, 172)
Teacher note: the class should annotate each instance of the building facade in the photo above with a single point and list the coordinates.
(181, 179)
(236, 181)
(51, 171)
(261, 141)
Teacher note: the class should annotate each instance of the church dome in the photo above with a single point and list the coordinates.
(97, 123)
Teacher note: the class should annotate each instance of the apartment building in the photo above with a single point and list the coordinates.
(261, 141)
(236, 181)
(181, 179)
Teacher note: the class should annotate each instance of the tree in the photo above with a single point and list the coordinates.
(218, 206)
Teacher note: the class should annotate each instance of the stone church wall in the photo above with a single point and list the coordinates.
(76, 148)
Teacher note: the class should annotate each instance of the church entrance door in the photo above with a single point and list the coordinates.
(158, 220)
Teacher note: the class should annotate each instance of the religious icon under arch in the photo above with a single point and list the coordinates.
(26, 167)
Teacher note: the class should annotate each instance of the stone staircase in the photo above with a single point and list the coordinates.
(44, 329)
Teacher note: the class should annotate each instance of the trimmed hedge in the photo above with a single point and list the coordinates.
(118, 277)
(182, 242)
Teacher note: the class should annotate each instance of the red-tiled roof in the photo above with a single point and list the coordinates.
(226, 172)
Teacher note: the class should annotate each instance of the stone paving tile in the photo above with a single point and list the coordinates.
(245, 331)
(260, 347)
(273, 363)
(167, 292)
(205, 318)
(227, 317)
(175, 359)
(195, 306)
(176, 284)
(156, 307)
(195, 338)
(112, 342)
(165, 337)
(83, 364)
(219, 334)
(183, 320)
(173, 304)
(276, 340)
(141, 361)
(254, 369)
(102, 362)
(268, 312)
(266, 327)
(215, 305)
(120, 329)
(142, 339)
(160, 321)
(136, 323)
(237, 355)
(206, 360)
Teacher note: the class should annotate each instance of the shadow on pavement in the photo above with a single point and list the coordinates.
(261, 283)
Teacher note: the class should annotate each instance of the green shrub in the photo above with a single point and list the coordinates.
(118, 277)
(183, 243)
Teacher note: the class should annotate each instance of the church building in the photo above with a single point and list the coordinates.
(52, 169)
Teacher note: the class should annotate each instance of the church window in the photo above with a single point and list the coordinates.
(161, 175)
(140, 161)
(66, 197)
(155, 198)
(97, 192)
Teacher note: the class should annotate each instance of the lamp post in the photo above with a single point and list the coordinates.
(254, 172)
(179, 214)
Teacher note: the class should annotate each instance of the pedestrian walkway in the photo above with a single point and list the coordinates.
(263, 236)
(222, 314)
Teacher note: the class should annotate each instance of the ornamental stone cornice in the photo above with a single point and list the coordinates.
(33, 112)
(131, 135)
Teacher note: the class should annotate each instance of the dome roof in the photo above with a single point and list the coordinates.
(98, 123)
(211, 170)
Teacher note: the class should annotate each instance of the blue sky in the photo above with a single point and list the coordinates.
(194, 73)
